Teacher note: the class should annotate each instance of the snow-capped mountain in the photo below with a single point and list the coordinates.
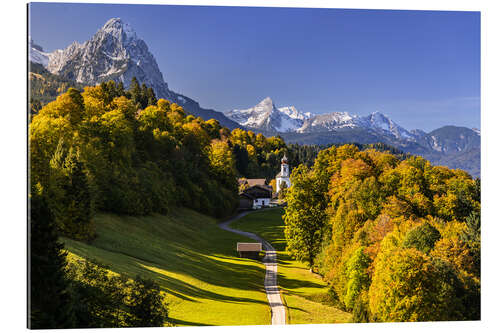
(380, 122)
(293, 113)
(37, 54)
(376, 121)
(117, 53)
(328, 122)
(265, 116)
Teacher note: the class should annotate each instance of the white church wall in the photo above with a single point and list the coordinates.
(278, 183)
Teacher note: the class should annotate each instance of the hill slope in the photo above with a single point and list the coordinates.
(192, 259)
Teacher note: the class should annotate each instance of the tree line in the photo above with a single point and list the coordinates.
(397, 239)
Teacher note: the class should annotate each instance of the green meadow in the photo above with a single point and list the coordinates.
(305, 294)
(193, 260)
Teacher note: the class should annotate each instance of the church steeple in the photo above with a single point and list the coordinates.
(283, 178)
(285, 172)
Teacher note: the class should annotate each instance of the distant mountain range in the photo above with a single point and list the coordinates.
(115, 52)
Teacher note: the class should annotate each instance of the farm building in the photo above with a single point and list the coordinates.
(260, 195)
(246, 201)
(249, 250)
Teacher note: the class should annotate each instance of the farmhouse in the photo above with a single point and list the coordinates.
(249, 250)
(246, 201)
(256, 197)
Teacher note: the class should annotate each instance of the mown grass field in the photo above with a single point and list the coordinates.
(303, 291)
(193, 260)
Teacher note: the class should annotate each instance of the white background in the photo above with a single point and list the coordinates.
(13, 162)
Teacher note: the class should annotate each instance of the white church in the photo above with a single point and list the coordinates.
(284, 175)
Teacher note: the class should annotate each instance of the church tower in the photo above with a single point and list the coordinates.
(285, 172)
(284, 175)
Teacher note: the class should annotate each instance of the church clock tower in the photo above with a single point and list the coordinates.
(284, 175)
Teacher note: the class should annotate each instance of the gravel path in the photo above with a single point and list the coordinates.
(278, 314)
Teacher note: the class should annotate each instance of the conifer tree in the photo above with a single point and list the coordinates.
(78, 200)
(49, 298)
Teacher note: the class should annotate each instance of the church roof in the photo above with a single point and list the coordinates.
(284, 159)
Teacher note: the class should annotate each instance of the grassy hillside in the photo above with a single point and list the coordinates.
(304, 293)
(191, 258)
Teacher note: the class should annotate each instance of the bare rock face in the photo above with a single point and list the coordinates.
(113, 53)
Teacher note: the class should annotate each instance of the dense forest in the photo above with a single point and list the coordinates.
(397, 239)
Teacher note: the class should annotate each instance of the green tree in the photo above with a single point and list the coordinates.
(358, 278)
(422, 237)
(283, 190)
(304, 217)
(147, 306)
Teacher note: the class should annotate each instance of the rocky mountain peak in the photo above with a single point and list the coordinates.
(267, 103)
(114, 52)
(120, 30)
(265, 116)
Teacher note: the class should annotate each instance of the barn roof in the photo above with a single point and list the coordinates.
(246, 195)
(243, 247)
(259, 191)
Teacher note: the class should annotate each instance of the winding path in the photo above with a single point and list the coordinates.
(278, 314)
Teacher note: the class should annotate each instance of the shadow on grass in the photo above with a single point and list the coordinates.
(175, 286)
(215, 270)
(288, 283)
(186, 323)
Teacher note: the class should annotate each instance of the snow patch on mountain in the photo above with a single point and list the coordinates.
(293, 113)
(379, 121)
(36, 54)
(328, 122)
(266, 116)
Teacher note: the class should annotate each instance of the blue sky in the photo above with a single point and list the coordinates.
(421, 68)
